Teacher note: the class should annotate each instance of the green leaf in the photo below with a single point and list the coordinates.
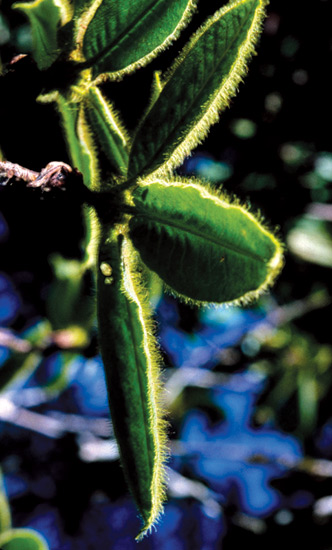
(45, 17)
(198, 88)
(308, 398)
(18, 368)
(131, 364)
(81, 5)
(68, 302)
(80, 145)
(5, 515)
(122, 36)
(83, 155)
(22, 539)
(108, 130)
(203, 247)
(67, 35)
(21, 365)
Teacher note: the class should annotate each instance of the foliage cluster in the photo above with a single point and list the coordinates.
(142, 220)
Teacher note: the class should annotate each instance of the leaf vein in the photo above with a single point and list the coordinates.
(189, 229)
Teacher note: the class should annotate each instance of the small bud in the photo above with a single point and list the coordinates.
(106, 269)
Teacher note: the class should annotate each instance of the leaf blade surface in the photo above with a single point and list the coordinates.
(122, 36)
(203, 248)
(108, 130)
(23, 539)
(44, 17)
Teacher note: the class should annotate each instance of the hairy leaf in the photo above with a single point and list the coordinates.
(198, 88)
(22, 539)
(67, 35)
(45, 17)
(108, 130)
(122, 35)
(83, 155)
(81, 5)
(131, 366)
(202, 246)
(80, 144)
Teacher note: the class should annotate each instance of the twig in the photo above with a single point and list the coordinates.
(54, 424)
(55, 176)
(9, 340)
(23, 418)
(10, 171)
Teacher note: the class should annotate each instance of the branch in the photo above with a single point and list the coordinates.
(56, 176)
(9, 340)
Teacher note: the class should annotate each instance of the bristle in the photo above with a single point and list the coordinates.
(81, 25)
(66, 10)
(93, 237)
(86, 139)
(110, 114)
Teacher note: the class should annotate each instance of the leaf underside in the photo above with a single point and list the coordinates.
(83, 156)
(107, 129)
(80, 154)
(117, 35)
(201, 246)
(44, 17)
(198, 88)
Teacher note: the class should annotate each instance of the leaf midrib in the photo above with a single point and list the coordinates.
(141, 390)
(117, 40)
(204, 236)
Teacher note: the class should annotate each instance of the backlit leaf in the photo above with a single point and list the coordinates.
(22, 539)
(108, 130)
(131, 364)
(83, 156)
(71, 283)
(45, 17)
(203, 247)
(80, 144)
(5, 515)
(198, 87)
(122, 35)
